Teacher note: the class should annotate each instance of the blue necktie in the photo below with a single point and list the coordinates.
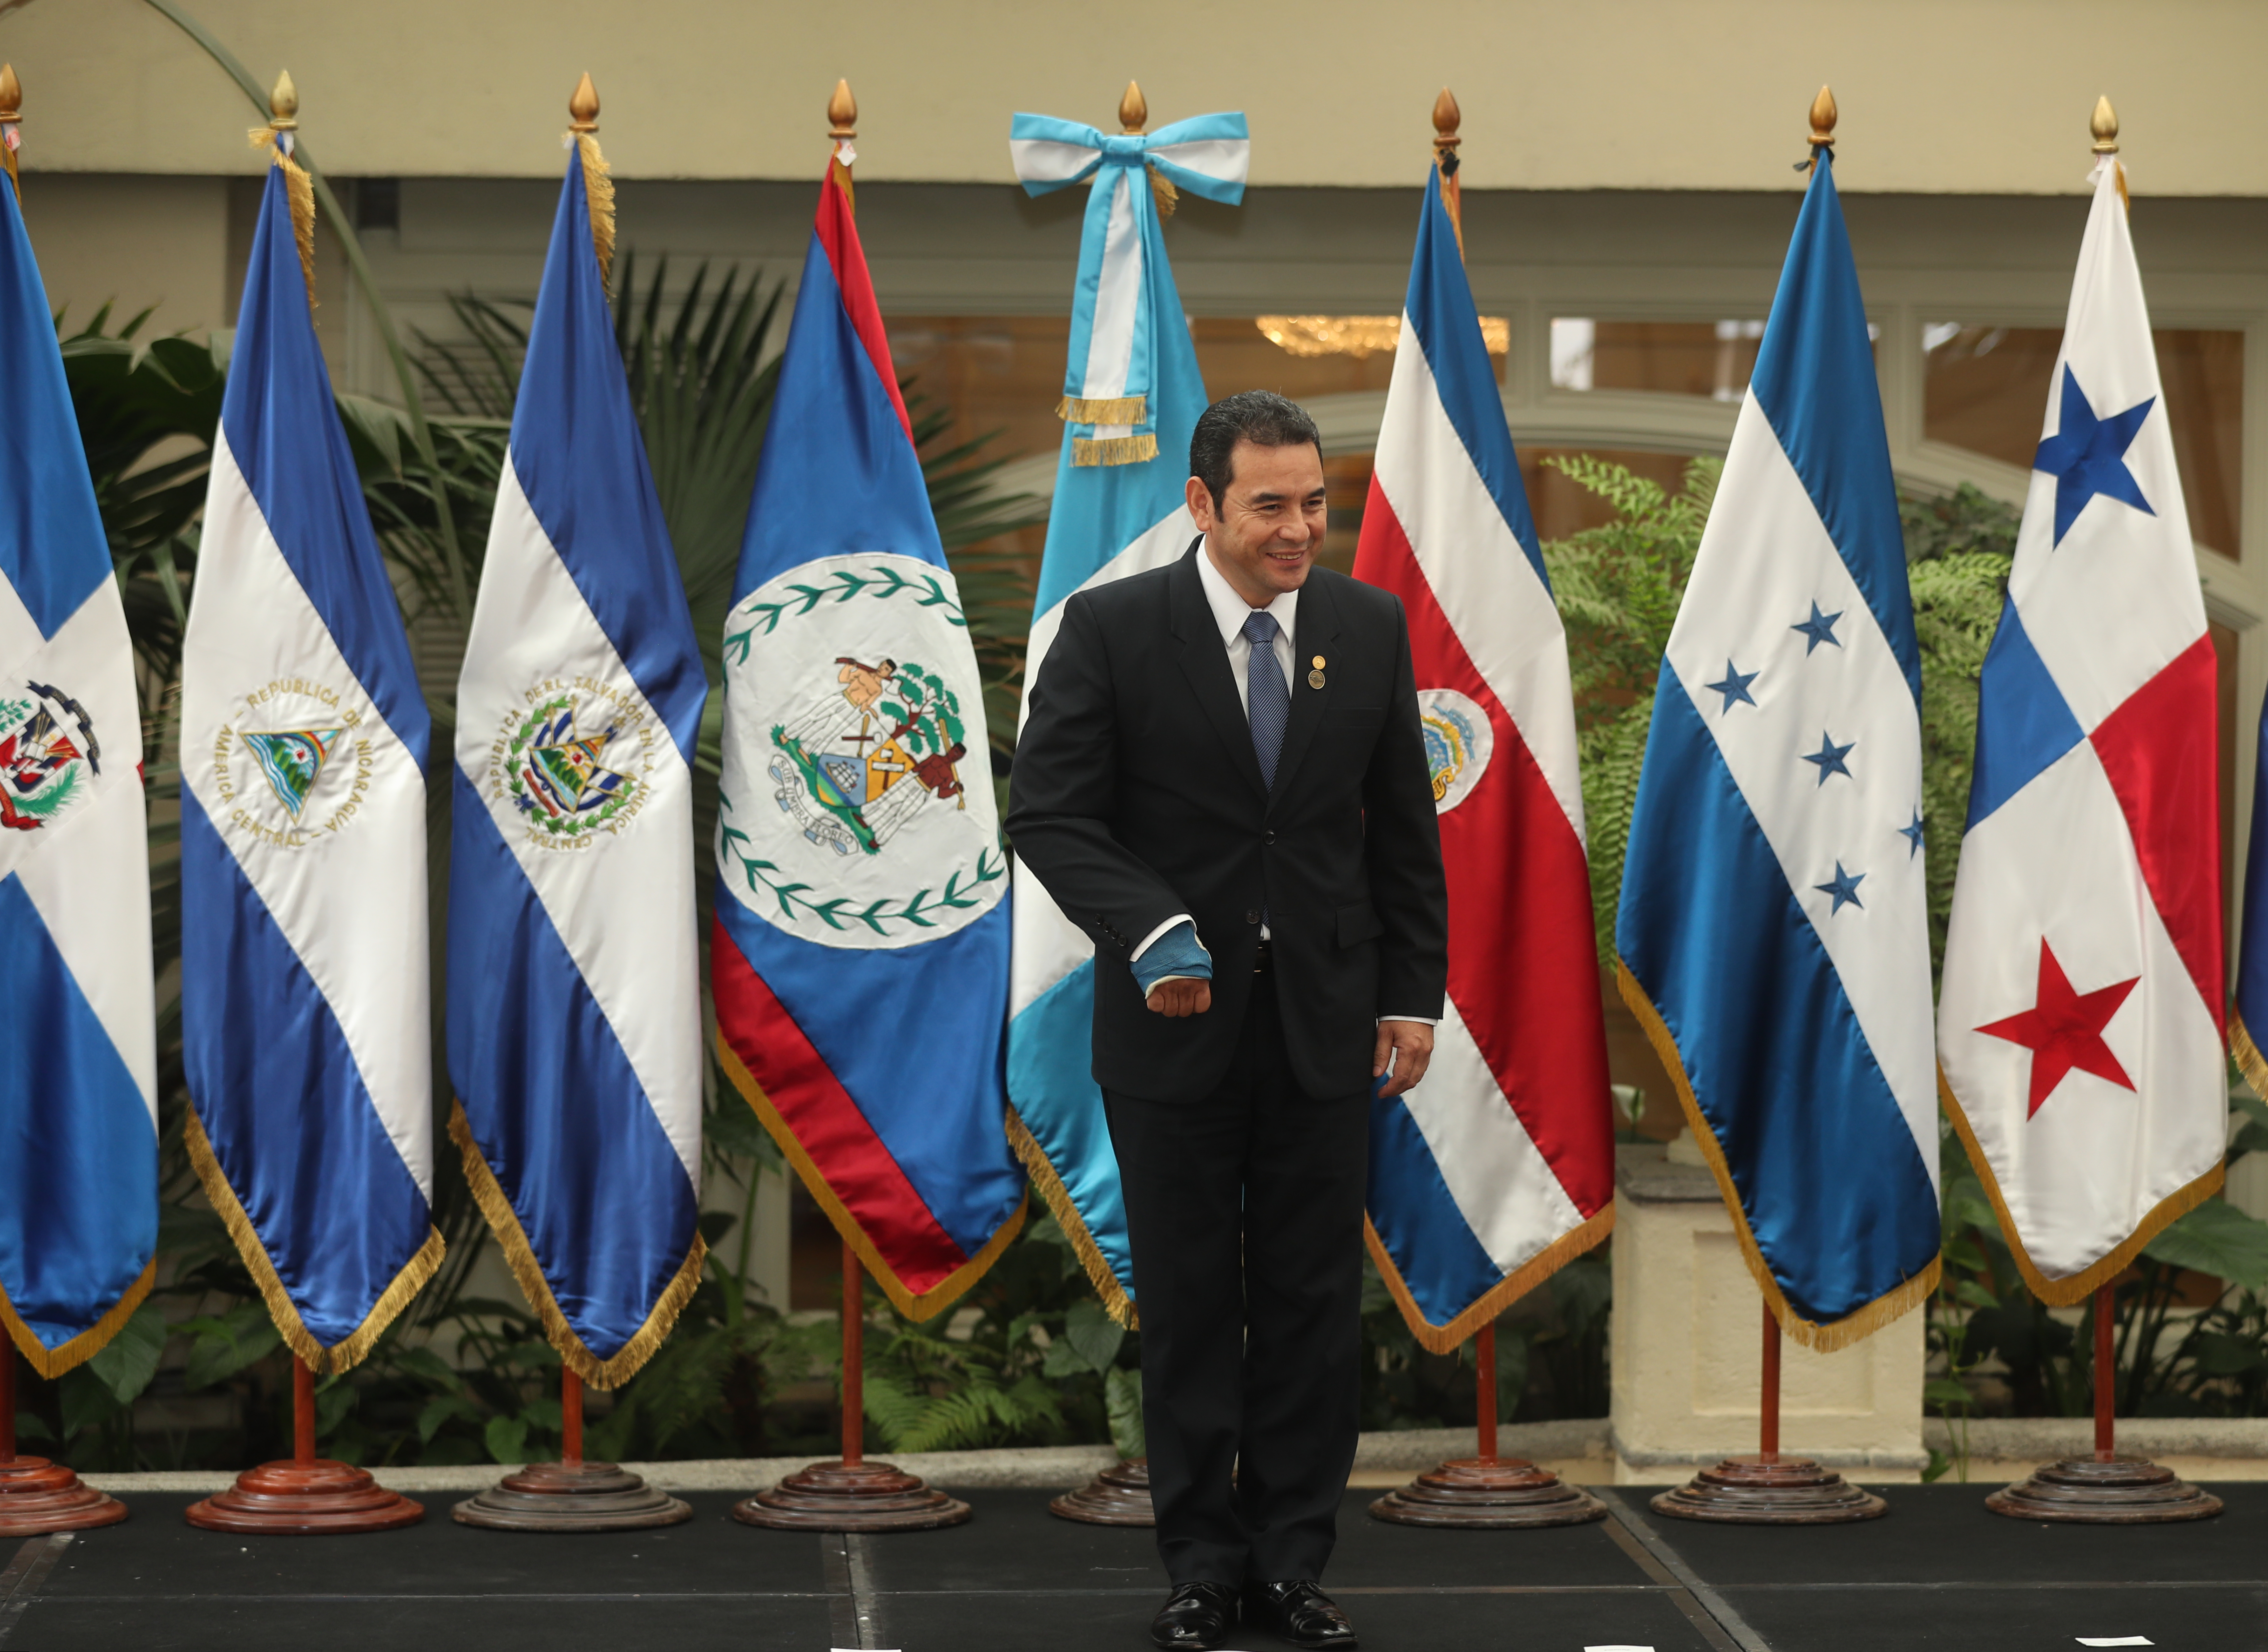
(1269, 699)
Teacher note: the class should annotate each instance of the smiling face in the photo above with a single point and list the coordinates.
(1269, 525)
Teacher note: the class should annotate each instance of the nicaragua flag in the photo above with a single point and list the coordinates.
(859, 958)
(574, 986)
(78, 1180)
(1118, 510)
(1773, 932)
(304, 1005)
(1500, 1167)
(2079, 1027)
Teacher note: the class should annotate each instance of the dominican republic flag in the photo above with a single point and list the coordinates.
(1500, 1167)
(2079, 1025)
(1774, 933)
(859, 959)
(304, 1000)
(79, 1177)
(574, 984)
(1131, 397)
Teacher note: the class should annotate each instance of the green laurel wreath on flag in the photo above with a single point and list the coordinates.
(880, 583)
(553, 824)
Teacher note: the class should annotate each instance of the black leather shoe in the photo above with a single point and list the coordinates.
(1300, 1613)
(1196, 1618)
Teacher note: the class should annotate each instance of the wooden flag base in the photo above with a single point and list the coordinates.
(1774, 1490)
(310, 1498)
(571, 1497)
(1495, 1494)
(2119, 1491)
(851, 1497)
(1118, 1496)
(37, 1497)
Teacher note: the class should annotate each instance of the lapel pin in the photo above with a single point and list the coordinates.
(1315, 677)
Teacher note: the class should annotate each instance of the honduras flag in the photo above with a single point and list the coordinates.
(1131, 396)
(574, 988)
(79, 1179)
(304, 1005)
(1500, 1167)
(1774, 931)
(859, 959)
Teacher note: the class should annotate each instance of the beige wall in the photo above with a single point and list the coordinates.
(132, 243)
(1937, 95)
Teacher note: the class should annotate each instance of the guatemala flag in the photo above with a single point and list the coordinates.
(78, 1175)
(1774, 932)
(1133, 388)
(304, 1005)
(574, 986)
(2079, 1024)
(1500, 1167)
(859, 959)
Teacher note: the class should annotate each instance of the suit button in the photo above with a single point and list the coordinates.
(1253, 916)
(1267, 837)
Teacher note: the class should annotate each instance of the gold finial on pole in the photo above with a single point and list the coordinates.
(583, 106)
(283, 104)
(842, 127)
(11, 105)
(1133, 109)
(1447, 118)
(2104, 125)
(1823, 115)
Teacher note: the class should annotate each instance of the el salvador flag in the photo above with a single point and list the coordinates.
(859, 959)
(574, 986)
(1118, 510)
(304, 1002)
(78, 1177)
(1774, 931)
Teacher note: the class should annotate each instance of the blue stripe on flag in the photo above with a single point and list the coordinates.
(844, 442)
(337, 1211)
(1051, 1081)
(598, 1186)
(1768, 1035)
(576, 451)
(1418, 1221)
(2252, 936)
(1448, 326)
(283, 430)
(2024, 723)
(78, 1182)
(1815, 380)
(934, 1102)
(52, 550)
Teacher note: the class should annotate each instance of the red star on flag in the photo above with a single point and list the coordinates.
(2064, 1029)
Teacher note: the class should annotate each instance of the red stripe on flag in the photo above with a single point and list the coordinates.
(838, 233)
(827, 1123)
(1523, 960)
(2159, 751)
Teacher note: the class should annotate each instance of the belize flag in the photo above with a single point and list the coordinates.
(1132, 394)
(859, 958)
(1500, 1167)
(2079, 1025)
(78, 1110)
(574, 985)
(304, 999)
(1774, 933)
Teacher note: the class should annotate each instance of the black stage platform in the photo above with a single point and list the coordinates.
(1938, 1572)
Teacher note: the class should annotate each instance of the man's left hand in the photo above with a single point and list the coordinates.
(1407, 1047)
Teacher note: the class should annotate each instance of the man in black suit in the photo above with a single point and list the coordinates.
(1223, 780)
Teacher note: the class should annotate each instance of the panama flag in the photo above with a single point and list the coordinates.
(2080, 1027)
(79, 1179)
(1131, 396)
(1500, 1167)
(859, 958)
(304, 1000)
(1774, 933)
(574, 985)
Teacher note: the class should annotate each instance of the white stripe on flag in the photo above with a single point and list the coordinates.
(1118, 297)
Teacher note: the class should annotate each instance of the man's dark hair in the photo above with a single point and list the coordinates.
(1259, 416)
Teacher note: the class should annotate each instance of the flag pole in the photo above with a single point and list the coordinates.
(854, 1359)
(2106, 1376)
(1768, 1408)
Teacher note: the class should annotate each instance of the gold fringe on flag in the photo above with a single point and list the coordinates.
(1115, 410)
(1057, 1197)
(11, 103)
(53, 1362)
(1445, 1339)
(1822, 1338)
(299, 186)
(917, 1306)
(598, 181)
(2248, 1059)
(340, 1356)
(519, 1256)
(1162, 191)
(1117, 450)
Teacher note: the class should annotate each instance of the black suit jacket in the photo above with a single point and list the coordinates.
(1136, 796)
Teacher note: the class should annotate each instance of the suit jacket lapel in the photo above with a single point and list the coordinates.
(1317, 624)
(1205, 662)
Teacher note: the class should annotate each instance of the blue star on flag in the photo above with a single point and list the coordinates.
(2088, 455)
(1829, 757)
(1735, 688)
(1818, 628)
(1844, 888)
(1912, 834)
